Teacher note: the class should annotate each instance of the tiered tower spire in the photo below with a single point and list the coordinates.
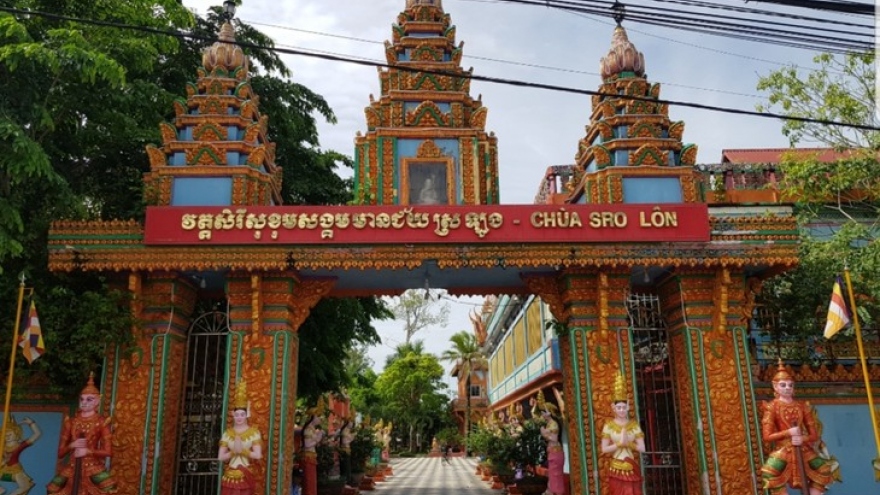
(426, 141)
(632, 152)
(216, 151)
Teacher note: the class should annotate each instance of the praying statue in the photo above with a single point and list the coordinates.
(240, 445)
(622, 437)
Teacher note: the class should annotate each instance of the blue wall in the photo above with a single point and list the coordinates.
(651, 190)
(201, 191)
(850, 438)
(38, 460)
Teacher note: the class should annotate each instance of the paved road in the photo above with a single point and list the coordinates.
(431, 476)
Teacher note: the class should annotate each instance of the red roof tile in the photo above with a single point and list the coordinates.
(774, 155)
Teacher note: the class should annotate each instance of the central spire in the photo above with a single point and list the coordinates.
(426, 142)
(432, 3)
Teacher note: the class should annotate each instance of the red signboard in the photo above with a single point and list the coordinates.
(426, 224)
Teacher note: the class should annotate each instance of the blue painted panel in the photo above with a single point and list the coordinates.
(201, 191)
(178, 158)
(849, 437)
(557, 359)
(38, 460)
(444, 106)
(621, 157)
(422, 35)
(404, 57)
(651, 190)
(232, 133)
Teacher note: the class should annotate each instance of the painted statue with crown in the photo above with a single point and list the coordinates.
(623, 439)
(86, 443)
(312, 434)
(11, 469)
(555, 452)
(798, 458)
(240, 445)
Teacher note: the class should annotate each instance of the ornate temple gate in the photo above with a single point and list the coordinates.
(633, 202)
(203, 403)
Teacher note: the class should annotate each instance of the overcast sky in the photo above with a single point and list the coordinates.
(535, 128)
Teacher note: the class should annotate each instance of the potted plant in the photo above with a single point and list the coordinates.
(329, 482)
(530, 452)
(501, 456)
(361, 449)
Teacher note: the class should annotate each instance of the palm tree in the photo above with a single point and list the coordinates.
(405, 349)
(467, 353)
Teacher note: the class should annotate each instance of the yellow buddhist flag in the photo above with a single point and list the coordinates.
(838, 314)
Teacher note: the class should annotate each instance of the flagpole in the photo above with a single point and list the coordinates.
(862, 358)
(12, 359)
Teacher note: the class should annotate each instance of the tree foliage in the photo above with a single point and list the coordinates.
(82, 101)
(412, 391)
(841, 89)
(466, 352)
(419, 310)
(837, 202)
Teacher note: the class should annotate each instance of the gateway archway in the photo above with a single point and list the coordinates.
(631, 212)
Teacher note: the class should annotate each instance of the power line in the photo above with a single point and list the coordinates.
(490, 59)
(455, 74)
(842, 7)
(652, 35)
(786, 34)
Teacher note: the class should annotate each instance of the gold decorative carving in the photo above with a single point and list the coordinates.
(478, 118)
(429, 149)
(157, 157)
(689, 156)
(721, 299)
(208, 132)
(168, 131)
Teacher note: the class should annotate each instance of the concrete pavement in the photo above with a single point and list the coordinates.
(432, 476)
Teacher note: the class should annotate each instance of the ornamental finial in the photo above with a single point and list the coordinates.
(225, 54)
(622, 57)
(433, 3)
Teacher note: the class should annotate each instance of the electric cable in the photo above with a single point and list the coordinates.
(460, 73)
(799, 36)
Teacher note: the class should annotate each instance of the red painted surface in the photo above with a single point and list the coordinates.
(329, 225)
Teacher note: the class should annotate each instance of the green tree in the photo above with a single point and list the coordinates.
(841, 89)
(419, 310)
(846, 196)
(468, 355)
(402, 350)
(412, 390)
(82, 102)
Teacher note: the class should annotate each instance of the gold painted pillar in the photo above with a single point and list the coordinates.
(707, 312)
(142, 385)
(591, 306)
(265, 312)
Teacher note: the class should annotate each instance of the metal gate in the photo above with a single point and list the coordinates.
(655, 396)
(201, 420)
